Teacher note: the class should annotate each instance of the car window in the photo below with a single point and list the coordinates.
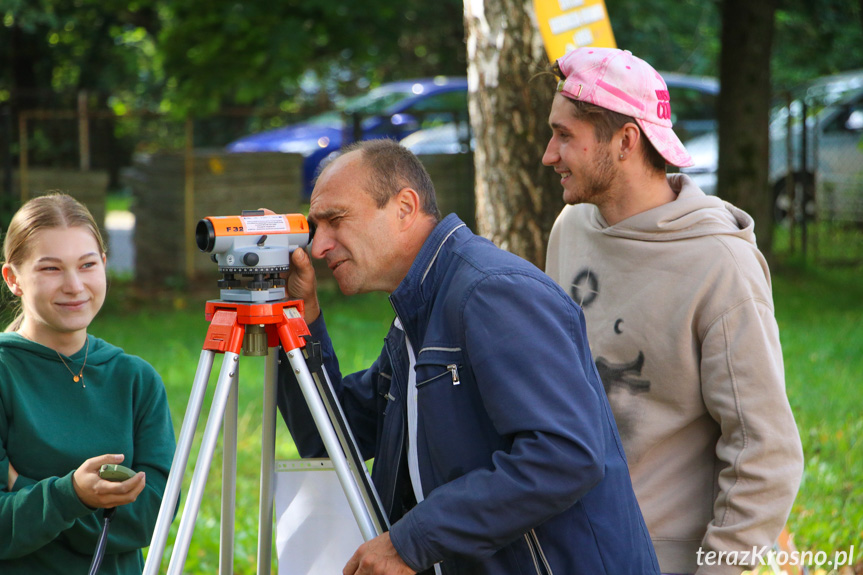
(848, 119)
(855, 120)
(376, 101)
(693, 112)
(440, 109)
(443, 102)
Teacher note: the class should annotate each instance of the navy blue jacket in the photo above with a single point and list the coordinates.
(521, 465)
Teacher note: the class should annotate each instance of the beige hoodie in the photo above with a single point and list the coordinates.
(680, 322)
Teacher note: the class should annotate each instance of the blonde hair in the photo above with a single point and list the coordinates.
(50, 211)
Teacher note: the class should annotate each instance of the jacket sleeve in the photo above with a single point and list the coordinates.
(759, 449)
(526, 344)
(356, 393)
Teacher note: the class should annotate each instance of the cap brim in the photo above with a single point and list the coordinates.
(667, 144)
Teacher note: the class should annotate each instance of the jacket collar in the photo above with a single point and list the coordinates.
(410, 298)
(426, 259)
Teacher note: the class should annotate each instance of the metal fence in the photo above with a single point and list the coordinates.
(816, 170)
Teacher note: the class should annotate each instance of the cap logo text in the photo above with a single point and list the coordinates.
(663, 107)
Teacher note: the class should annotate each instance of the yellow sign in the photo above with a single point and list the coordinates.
(569, 24)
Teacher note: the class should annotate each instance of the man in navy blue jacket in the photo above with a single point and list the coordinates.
(495, 448)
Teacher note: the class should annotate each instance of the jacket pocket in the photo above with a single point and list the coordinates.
(439, 365)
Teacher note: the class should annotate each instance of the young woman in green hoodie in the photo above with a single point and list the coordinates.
(69, 403)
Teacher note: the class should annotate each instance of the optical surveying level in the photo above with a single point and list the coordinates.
(255, 319)
(255, 244)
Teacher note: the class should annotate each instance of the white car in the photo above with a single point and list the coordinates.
(834, 156)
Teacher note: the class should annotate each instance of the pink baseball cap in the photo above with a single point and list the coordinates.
(618, 81)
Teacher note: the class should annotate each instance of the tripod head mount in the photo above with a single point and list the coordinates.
(256, 245)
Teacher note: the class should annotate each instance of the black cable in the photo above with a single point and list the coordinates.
(103, 541)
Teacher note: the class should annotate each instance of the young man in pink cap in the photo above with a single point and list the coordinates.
(680, 319)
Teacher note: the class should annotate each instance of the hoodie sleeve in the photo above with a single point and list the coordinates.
(133, 524)
(33, 516)
(743, 385)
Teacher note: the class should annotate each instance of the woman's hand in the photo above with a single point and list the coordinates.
(13, 476)
(96, 492)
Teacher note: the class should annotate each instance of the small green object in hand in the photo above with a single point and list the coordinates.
(112, 472)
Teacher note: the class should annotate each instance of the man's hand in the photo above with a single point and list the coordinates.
(303, 284)
(377, 557)
(96, 492)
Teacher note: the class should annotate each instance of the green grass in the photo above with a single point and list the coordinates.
(820, 315)
(118, 202)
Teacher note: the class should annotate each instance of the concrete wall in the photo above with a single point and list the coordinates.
(86, 187)
(453, 177)
(224, 184)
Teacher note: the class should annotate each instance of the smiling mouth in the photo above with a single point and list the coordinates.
(72, 304)
(335, 265)
(564, 174)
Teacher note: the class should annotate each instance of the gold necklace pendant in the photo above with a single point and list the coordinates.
(80, 376)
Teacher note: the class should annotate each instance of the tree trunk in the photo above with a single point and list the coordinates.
(744, 109)
(510, 94)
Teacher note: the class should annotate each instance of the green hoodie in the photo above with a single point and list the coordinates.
(49, 425)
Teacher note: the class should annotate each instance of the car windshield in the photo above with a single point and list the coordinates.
(326, 119)
(374, 103)
(834, 89)
(377, 101)
(822, 97)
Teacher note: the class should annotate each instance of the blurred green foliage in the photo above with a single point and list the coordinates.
(197, 56)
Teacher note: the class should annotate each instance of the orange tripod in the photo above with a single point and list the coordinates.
(257, 329)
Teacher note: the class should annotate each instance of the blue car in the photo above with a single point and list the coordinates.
(393, 110)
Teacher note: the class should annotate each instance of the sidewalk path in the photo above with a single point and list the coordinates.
(121, 247)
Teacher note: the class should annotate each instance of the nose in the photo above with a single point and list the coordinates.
(72, 282)
(551, 156)
(322, 243)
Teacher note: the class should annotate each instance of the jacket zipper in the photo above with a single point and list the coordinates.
(451, 370)
(401, 438)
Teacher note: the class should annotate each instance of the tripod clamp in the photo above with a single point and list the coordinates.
(257, 329)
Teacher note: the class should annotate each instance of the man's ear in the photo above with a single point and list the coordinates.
(629, 136)
(407, 206)
(11, 279)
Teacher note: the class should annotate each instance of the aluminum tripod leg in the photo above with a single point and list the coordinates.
(229, 480)
(351, 450)
(227, 333)
(178, 465)
(268, 458)
(356, 501)
(227, 379)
